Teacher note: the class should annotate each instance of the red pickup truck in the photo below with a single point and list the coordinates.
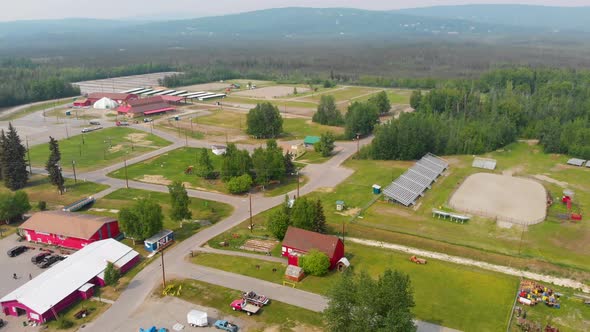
(243, 305)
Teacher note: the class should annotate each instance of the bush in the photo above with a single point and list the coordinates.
(315, 263)
(111, 275)
(42, 205)
(64, 323)
(239, 184)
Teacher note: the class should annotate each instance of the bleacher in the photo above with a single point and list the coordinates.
(484, 163)
(411, 185)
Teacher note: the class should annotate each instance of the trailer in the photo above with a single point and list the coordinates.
(78, 205)
(197, 318)
(243, 305)
(256, 299)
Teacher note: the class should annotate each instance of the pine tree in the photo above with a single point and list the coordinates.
(180, 201)
(14, 166)
(52, 165)
(319, 224)
(2, 151)
(204, 165)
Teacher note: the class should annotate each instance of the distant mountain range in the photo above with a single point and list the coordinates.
(478, 21)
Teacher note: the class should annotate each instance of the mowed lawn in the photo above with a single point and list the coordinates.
(451, 295)
(201, 209)
(278, 315)
(299, 128)
(99, 148)
(344, 94)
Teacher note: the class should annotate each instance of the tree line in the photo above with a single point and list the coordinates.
(473, 117)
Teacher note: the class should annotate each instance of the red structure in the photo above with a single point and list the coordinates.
(145, 106)
(69, 281)
(298, 242)
(82, 102)
(118, 97)
(68, 229)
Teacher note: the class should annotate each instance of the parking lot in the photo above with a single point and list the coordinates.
(21, 265)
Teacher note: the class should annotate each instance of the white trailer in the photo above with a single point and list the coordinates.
(197, 318)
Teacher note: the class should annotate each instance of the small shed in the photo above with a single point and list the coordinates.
(340, 205)
(159, 241)
(294, 273)
(309, 141)
(218, 150)
(376, 189)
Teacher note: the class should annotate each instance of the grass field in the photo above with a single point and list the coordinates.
(299, 128)
(445, 293)
(95, 309)
(279, 102)
(395, 96)
(344, 94)
(99, 148)
(312, 157)
(280, 316)
(35, 108)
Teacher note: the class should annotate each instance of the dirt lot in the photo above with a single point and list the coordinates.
(270, 92)
(507, 198)
(205, 87)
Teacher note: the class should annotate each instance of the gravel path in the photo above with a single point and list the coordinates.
(470, 262)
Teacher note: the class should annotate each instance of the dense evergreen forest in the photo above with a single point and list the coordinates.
(23, 81)
(477, 116)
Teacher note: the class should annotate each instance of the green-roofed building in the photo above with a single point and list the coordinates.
(310, 140)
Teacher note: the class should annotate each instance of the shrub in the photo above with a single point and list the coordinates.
(315, 263)
(239, 184)
(42, 205)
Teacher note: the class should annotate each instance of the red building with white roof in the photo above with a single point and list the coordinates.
(69, 281)
(146, 106)
(298, 242)
(69, 229)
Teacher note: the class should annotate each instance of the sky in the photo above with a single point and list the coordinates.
(13, 10)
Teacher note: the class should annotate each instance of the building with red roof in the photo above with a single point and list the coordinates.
(298, 242)
(145, 106)
(118, 97)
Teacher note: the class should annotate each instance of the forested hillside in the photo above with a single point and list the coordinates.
(473, 117)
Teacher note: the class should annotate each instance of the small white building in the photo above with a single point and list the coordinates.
(218, 150)
(105, 104)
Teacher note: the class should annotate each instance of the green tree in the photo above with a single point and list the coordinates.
(269, 163)
(327, 113)
(360, 303)
(360, 119)
(290, 168)
(3, 148)
(13, 206)
(179, 202)
(52, 165)
(326, 144)
(381, 101)
(415, 99)
(264, 121)
(277, 223)
(204, 164)
(315, 263)
(141, 220)
(239, 184)
(111, 274)
(303, 214)
(294, 90)
(14, 166)
(319, 222)
(235, 162)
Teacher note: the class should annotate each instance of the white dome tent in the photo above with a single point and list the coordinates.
(105, 104)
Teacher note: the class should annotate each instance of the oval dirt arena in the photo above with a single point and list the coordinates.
(506, 198)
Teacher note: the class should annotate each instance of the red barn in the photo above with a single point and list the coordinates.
(69, 281)
(298, 241)
(118, 97)
(145, 106)
(68, 229)
(82, 102)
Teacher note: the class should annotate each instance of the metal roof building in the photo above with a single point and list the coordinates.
(576, 162)
(70, 280)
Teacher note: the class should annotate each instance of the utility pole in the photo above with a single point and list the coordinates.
(358, 144)
(251, 224)
(192, 131)
(126, 179)
(29, 156)
(74, 168)
(163, 271)
(297, 183)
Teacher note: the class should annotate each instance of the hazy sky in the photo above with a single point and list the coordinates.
(49, 9)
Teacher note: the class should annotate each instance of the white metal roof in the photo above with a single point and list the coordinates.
(149, 93)
(191, 93)
(164, 92)
(177, 93)
(132, 90)
(85, 287)
(212, 96)
(69, 275)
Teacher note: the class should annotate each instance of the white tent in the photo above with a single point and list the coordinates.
(105, 104)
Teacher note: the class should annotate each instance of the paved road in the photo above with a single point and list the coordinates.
(328, 174)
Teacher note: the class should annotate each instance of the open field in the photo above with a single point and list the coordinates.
(213, 86)
(445, 293)
(99, 148)
(280, 103)
(271, 92)
(501, 197)
(396, 96)
(344, 94)
(34, 108)
(277, 316)
(299, 128)
(201, 210)
(118, 84)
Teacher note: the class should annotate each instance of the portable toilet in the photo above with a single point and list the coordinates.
(68, 113)
(339, 205)
(376, 189)
(176, 117)
(158, 241)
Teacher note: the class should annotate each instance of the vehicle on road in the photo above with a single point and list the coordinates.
(94, 123)
(225, 326)
(243, 305)
(38, 258)
(87, 130)
(256, 299)
(47, 262)
(197, 318)
(122, 123)
(148, 119)
(16, 251)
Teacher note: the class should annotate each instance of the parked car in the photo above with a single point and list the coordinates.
(95, 123)
(243, 305)
(225, 326)
(48, 261)
(256, 299)
(148, 119)
(38, 258)
(121, 123)
(16, 251)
